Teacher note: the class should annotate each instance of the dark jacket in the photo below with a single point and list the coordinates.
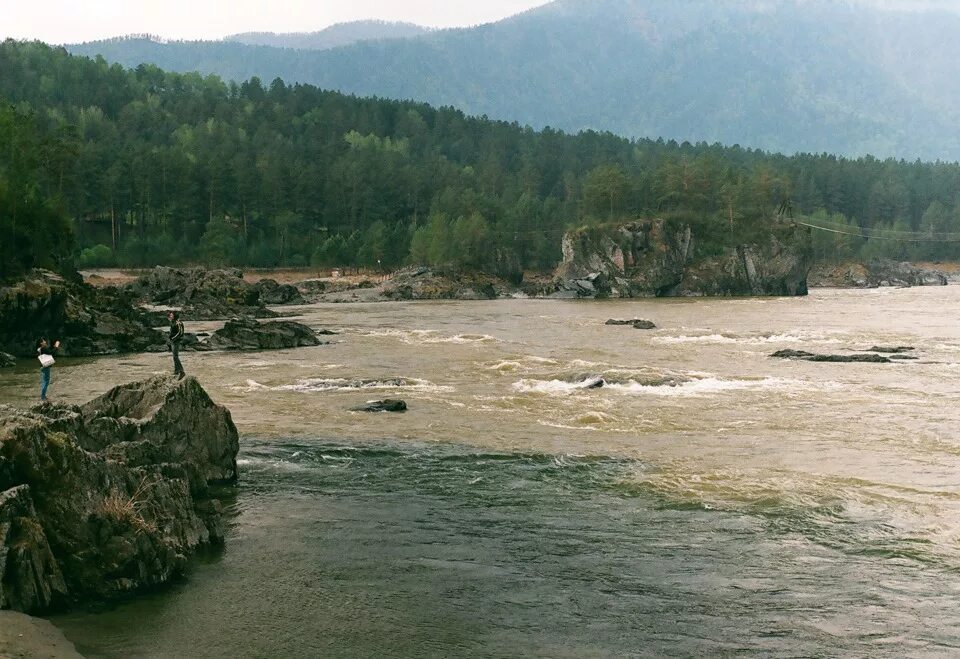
(176, 331)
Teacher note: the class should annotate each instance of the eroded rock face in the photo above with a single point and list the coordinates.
(656, 258)
(248, 334)
(875, 274)
(91, 321)
(111, 497)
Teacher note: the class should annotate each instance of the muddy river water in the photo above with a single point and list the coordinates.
(707, 500)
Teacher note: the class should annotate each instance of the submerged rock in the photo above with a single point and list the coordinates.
(892, 350)
(248, 334)
(111, 497)
(637, 323)
(388, 405)
(811, 357)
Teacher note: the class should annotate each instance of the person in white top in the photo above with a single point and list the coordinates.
(46, 353)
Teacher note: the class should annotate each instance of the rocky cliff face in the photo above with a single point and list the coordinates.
(91, 321)
(109, 498)
(655, 258)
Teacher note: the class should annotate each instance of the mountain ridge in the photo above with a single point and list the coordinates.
(334, 36)
(785, 76)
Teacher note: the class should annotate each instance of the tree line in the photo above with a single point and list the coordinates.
(102, 165)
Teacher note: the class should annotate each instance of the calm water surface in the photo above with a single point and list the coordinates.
(708, 500)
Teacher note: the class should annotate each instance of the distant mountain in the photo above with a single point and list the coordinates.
(784, 75)
(341, 34)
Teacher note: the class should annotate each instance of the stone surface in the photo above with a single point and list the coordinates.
(875, 274)
(248, 334)
(636, 323)
(24, 637)
(273, 293)
(657, 258)
(89, 321)
(111, 497)
(387, 405)
(812, 357)
(7, 360)
(208, 294)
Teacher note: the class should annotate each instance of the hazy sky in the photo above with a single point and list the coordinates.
(66, 21)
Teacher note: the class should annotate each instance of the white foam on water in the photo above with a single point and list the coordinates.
(708, 338)
(705, 386)
(319, 385)
(554, 387)
(462, 339)
(797, 336)
(519, 363)
(429, 337)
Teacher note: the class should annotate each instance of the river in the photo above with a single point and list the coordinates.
(709, 500)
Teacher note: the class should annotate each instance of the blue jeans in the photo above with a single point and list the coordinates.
(44, 382)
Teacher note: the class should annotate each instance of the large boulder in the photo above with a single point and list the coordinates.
(111, 497)
(248, 334)
(273, 293)
(659, 258)
(90, 321)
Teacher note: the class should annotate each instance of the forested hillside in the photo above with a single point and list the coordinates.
(341, 34)
(833, 76)
(154, 167)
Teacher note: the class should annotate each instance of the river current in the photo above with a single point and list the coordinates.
(708, 500)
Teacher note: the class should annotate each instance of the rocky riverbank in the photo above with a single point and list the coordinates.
(109, 498)
(24, 637)
(92, 321)
(876, 274)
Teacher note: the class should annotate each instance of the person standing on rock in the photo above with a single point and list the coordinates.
(176, 336)
(46, 354)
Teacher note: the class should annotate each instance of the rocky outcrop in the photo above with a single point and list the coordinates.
(91, 321)
(636, 323)
(812, 357)
(388, 405)
(875, 274)
(432, 284)
(418, 283)
(657, 258)
(273, 293)
(111, 497)
(210, 294)
(248, 334)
